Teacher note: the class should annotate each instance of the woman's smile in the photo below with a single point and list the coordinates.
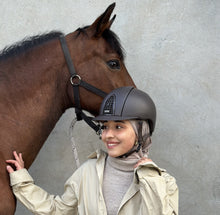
(111, 145)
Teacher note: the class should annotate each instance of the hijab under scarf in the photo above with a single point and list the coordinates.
(146, 139)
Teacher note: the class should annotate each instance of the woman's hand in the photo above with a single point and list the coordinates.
(18, 162)
(141, 161)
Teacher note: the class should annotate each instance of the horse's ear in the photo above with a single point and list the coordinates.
(102, 22)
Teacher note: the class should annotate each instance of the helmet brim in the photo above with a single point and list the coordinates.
(102, 118)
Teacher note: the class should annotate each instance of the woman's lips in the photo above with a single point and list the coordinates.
(111, 145)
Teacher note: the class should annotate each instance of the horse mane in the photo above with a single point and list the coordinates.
(27, 43)
(111, 38)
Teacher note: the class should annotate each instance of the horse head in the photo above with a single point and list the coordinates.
(99, 59)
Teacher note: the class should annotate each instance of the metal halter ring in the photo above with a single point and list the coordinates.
(77, 79)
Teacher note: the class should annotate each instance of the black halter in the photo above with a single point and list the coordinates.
(76, 81)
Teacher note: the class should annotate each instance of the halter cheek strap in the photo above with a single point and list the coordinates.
(76, 81)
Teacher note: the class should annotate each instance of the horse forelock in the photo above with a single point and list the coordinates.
(27, 43)
(113, 40)
(110, 37)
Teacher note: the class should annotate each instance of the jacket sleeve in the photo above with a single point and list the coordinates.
(38, 200)
(158, 189)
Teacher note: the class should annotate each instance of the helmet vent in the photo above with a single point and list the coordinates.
(108, 108)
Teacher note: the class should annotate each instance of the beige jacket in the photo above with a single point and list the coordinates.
(153, 192)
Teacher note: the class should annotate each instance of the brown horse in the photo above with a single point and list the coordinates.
(35, 89)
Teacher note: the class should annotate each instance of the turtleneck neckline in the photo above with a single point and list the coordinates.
(123, 164)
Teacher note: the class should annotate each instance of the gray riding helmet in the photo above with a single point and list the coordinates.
(127, 103)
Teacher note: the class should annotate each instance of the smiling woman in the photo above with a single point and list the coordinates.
(123, 180)
(128, 118)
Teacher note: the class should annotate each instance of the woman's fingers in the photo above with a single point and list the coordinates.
(19, 159)
(18, 162)
(20, 156)
(9, 169)
(141, 161)
(11, 161)
(16, 156)
(15, 163)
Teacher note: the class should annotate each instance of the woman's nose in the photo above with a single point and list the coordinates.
(109, 133)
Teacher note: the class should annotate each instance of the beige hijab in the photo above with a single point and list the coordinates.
(143, 152)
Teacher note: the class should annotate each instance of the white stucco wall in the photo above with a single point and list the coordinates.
(173, 53)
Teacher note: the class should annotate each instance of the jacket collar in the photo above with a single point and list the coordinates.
(98, 154)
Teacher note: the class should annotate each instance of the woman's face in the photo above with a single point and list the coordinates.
(119, 137)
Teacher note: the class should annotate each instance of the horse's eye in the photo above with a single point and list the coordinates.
(114, 64)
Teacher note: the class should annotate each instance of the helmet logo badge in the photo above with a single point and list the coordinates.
(108, 108)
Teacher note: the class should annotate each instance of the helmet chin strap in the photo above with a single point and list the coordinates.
(140, 141)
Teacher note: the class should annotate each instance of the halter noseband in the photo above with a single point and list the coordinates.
(76, 81)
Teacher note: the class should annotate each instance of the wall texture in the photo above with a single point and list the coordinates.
(173, 53)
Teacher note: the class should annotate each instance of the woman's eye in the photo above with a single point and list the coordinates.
(114, 64)
(118, 127)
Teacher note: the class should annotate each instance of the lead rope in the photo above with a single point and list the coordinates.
(73, 143)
